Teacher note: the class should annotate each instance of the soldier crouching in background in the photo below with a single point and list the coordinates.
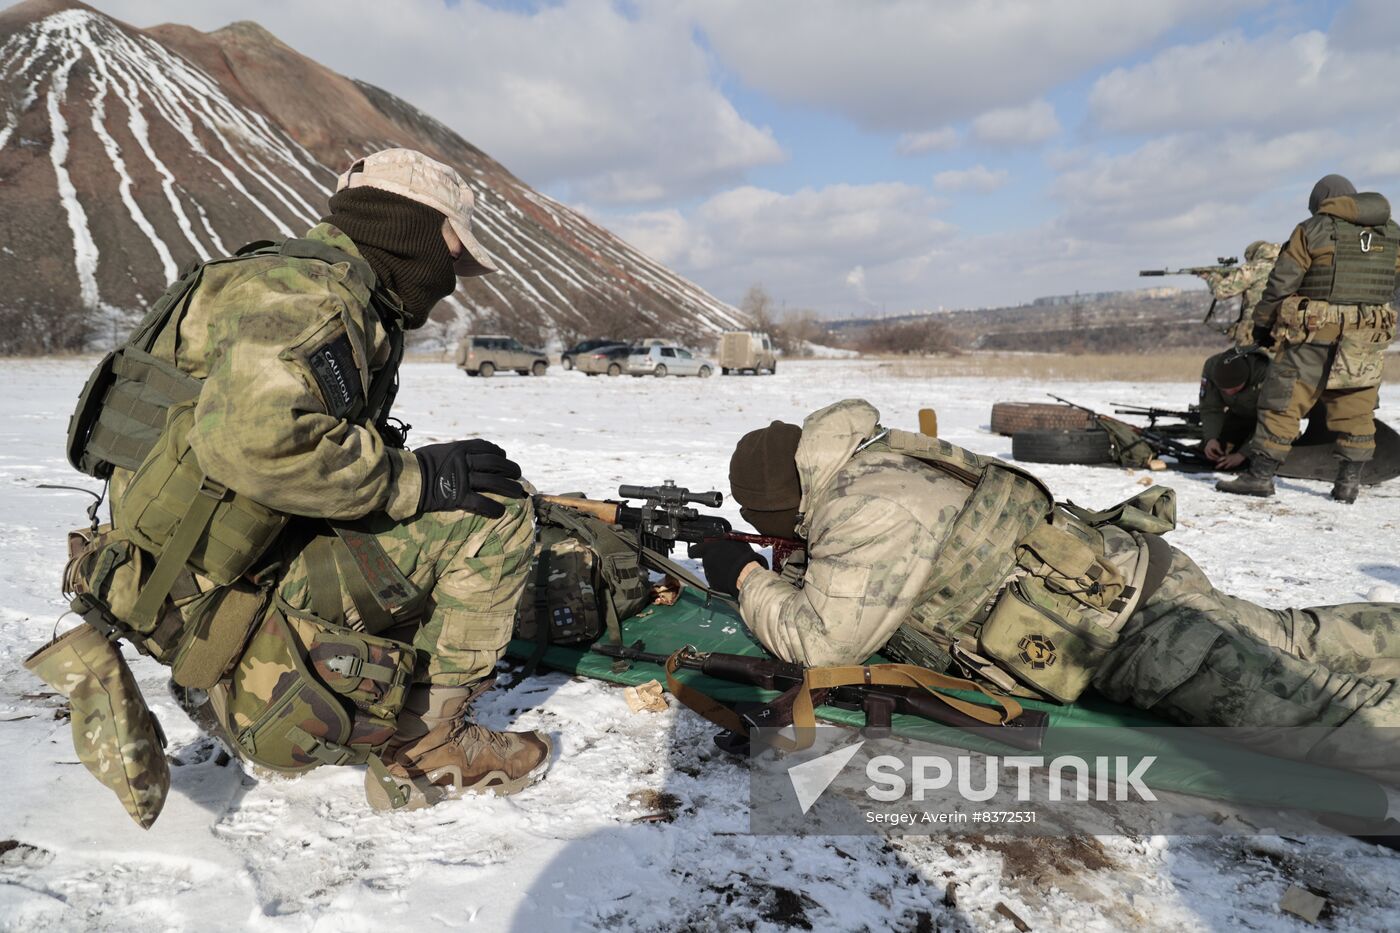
(1229, 404)
(321, 595)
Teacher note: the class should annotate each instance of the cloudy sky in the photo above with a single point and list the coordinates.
(873, 155)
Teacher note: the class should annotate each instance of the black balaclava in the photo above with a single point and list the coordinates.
(403, 243)
(1329, 186)
(764, 480)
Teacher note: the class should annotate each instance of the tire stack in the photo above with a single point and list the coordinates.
(1041, 432)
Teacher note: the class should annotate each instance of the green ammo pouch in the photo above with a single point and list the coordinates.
(306, 694)
(1042, 639)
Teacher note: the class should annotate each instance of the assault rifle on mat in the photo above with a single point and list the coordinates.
(1025, 729)
(669, 517)
(1154, 437)
(1224, 264)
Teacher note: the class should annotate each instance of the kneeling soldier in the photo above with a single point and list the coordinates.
(322, 595)
(938, 556)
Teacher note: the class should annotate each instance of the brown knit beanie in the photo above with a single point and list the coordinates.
(763, 478)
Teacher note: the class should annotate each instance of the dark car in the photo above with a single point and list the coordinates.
(611, 360)
(569, 356)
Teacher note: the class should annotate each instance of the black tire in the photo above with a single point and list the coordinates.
(487, 370)
(614, 369)
(539, 368)
(522, 372)
(660, 372)
(724, 370)
(471, 372)
(705, 372)
(1011, 418)
(773, 370)
(568, 363)
(1062, 446)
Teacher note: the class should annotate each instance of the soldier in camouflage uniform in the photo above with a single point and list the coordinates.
(1248, 282)
(1230, 384)
(1327, 309)
(880, 527)
(289, 349)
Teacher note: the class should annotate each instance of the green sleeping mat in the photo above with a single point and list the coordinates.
(1189, 761)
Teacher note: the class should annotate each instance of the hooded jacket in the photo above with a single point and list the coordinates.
(874, 522)
(1313, 245)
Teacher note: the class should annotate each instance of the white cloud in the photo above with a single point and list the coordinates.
(911, 64)
(818, 243)
(618, 106)
(1307, 79)
(1017, 126)
(939, 140)
(978, 178)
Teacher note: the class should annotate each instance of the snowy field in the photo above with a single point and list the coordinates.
(640, 823)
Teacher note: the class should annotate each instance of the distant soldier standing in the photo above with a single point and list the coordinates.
(1248, 282)
(1230, 383)
(1326, 310)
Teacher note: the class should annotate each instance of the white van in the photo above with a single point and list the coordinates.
(741, 350)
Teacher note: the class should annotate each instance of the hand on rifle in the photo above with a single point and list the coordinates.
(726, 563)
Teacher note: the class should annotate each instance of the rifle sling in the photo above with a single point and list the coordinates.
(824, 679)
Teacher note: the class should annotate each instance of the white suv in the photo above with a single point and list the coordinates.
(668, 361)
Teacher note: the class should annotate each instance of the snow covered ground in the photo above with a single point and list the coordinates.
(591, 846)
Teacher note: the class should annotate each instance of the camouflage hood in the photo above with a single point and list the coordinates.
(829, 438)
(1367, 209)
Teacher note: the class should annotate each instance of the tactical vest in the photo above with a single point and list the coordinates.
(1024, 592)
(1362, 269)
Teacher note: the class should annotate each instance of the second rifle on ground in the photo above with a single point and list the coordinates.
(1160, 442)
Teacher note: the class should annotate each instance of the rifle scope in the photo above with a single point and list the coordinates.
(671, 494)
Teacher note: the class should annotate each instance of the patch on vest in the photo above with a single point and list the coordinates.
(339, 378)
(1038, 651)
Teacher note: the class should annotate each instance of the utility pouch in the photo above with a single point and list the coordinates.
(1306, 320)
(114, 733)
(172, 508)
(1067, 557)
(560, 594)
(1359, 362)
(1040, 638)
(305, 694)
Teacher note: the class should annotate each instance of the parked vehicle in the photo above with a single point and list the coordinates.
(569, 358)
(611, 360)
(485, 355)
(668, 361)
(741, 350)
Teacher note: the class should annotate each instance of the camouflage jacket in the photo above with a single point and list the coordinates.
(874, 523)
(286, 347)
(1247, 281)
(1313, 242)
(1215, 405)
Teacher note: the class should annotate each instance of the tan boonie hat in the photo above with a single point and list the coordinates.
(413, 175)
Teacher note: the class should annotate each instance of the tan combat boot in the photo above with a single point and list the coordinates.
(439, 753)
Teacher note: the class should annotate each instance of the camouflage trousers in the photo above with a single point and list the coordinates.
(1296, 382)
(1200, 657)
(468, 572)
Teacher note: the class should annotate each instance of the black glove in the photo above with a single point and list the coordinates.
(723, 560)
(1263, 336)
(456, 474)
